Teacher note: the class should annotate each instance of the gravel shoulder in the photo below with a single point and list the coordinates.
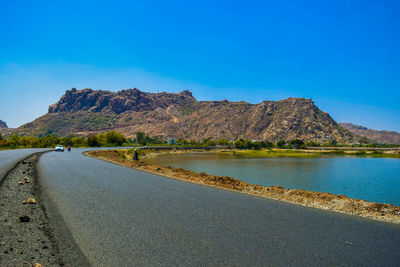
(30, 230)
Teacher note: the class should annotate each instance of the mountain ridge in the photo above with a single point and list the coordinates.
(380, 136)
(180, 115)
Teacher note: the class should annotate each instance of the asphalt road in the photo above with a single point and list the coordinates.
(9, 158)
(124, 217)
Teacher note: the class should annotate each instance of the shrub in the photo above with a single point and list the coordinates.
(239, 144)
(140, 138)
(112, 137)
(223, 142)
(312, 144)
(93, 140)
(281, 143)
(296, 143)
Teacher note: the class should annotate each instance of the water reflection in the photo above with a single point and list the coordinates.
(373, 179)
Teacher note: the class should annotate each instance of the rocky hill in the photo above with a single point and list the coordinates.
(180, 115)
(3, 125)
(385, 137)
(4, 130)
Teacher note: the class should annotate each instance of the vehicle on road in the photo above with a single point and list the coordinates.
(59, 148)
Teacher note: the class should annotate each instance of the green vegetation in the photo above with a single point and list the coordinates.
(281, 143)
(97, 122)
(254, 148)
(312, 144)
(256, 145)
(140, 138)
(114, 138)
(297, 143)
(223, 142)
(93, 140)
(111, 138)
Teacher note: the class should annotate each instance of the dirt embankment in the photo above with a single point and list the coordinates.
(326, 201)
(27, 235)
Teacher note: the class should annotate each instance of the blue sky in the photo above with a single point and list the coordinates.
(345, 55)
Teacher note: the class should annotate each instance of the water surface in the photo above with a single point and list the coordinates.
(372, 179)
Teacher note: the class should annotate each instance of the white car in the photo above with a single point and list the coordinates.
(59, 148)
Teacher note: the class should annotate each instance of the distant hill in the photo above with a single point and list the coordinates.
(4, 130)
(3, 124)
(386, 137)
(180, 115)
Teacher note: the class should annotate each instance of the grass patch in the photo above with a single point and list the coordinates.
(272, 153)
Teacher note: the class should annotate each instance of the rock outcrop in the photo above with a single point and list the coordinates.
(385, 137)
(3, 124)
(180, 115)
(119, 102)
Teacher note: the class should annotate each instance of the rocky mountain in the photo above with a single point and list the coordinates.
(3, 124)
(3, 128)
(385, 137)
(180, 115)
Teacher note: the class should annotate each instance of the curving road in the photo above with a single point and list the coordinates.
(124, 217)
(9, 158)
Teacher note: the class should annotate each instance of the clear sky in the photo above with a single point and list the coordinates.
(345, 55)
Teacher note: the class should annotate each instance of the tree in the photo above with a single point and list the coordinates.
(140, 138)
(281, 143)
(247, 144)
(147, 140)
(78, 141)
(13, 141)
(312, 144)
(25, 141)
(296, 143)
(239, 144)
(101, 137)
(266, 144)
(93, 140)
(256, 145)
(34, 141)
(67, 141)
(195, 143)
(205, 140)
(112, 137)
(49, 141)
(210, 143)
(3, 143)
(333, 142)
(223, 142)
(182, 141)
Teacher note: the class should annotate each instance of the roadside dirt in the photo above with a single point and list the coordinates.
(326, 201)
(27, 236)
(23, 227)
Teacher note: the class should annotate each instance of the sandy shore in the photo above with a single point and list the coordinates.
(326, 201)
(29, 233)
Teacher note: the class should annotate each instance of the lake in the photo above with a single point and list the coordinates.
(372, 179)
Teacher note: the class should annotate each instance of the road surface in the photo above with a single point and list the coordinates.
(124, 217)
(9, 158)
